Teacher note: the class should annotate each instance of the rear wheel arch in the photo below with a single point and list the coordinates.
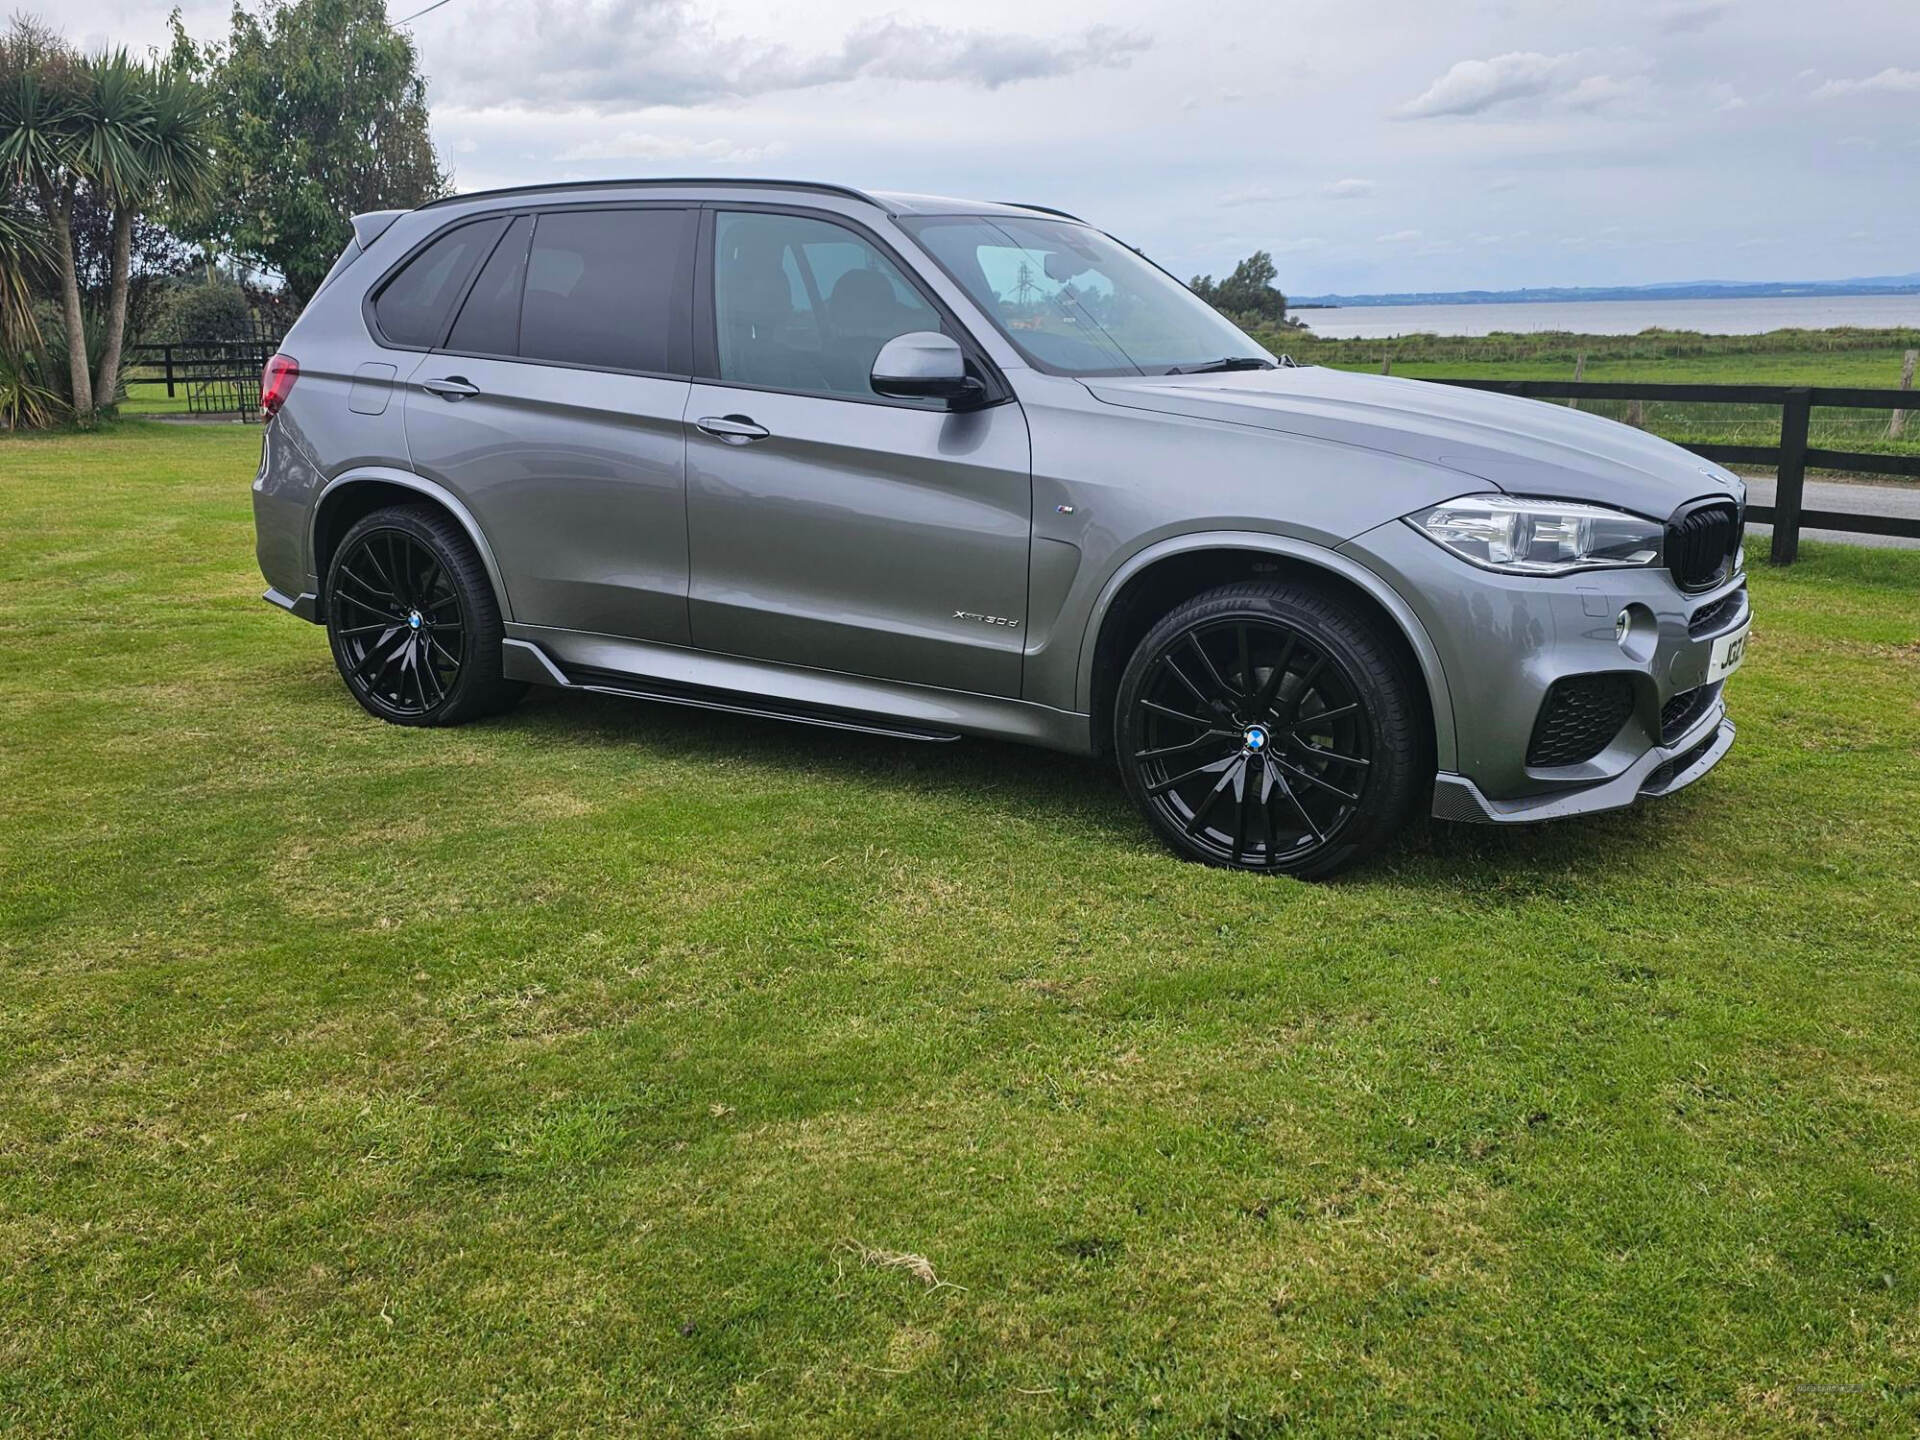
(1163, 576)
(348, 498)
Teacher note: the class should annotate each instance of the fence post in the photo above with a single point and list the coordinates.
(1791, 478)
(167, 352)
(1897, 426)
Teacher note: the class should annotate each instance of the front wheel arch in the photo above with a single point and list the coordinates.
(1155, 580)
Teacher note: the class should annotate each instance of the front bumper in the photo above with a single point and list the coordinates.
(1504, 640)
(1660, 771)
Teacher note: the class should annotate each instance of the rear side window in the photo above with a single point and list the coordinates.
(414, 307)
(601, 285)
(489, 322)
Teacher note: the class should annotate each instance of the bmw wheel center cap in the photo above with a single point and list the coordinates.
(413, 619)
(1256, 737)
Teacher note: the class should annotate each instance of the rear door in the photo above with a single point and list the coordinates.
(552, 405)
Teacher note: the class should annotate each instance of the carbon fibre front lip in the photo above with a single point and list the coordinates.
(1455, 797)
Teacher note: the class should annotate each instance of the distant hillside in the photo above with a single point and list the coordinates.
(1679, 290)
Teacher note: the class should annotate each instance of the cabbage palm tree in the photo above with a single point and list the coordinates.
(138, 135)
(146, 140)
(41, 83)
(24, 254)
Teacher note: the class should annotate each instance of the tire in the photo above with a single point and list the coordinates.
(413, 621)
(1270, 727)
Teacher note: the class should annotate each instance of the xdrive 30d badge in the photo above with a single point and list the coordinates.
(929, 468)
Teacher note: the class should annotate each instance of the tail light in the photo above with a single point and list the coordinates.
(276, 383)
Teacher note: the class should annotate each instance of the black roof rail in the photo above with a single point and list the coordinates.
(1044, 210)
(823, 187)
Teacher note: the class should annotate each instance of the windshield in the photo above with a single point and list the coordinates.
(1076, 302)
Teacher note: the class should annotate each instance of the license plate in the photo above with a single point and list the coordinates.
(1728, 653)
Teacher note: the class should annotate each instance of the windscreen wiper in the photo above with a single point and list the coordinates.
(1229, 362)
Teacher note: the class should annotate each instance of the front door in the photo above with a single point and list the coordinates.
(554, 409)
(829, 526)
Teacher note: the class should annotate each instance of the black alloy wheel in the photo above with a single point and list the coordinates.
(1265, 727)
(413, 623)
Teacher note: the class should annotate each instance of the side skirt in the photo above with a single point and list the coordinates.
(640, 670)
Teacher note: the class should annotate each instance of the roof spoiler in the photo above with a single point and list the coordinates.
(371, 226)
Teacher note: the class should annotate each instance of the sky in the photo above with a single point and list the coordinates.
(1369, 145)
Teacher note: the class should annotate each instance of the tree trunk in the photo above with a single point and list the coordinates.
(106, 384)
(60, 217)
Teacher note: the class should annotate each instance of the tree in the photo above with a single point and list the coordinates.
(42, 91)
(102, 131)
(1247, 295)
(156, 256)
(151, 137)
(321, 114)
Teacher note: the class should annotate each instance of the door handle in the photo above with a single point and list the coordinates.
(734, 429)
(454, 387)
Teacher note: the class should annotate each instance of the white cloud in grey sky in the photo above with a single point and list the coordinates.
(1496, 143)
(606, 54)
(1471, 87)
(1890, 81)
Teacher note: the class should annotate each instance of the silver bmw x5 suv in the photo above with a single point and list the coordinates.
(928, 467)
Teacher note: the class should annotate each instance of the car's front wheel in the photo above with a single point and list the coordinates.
(413, 622)
(1271, 727)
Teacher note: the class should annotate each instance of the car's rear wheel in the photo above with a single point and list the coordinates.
(1271, 727)
(413, 622)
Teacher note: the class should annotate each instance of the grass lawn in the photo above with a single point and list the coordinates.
(581, 1072)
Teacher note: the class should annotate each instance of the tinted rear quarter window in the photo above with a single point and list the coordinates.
(489, 322)
(414, 306)
(601, 285)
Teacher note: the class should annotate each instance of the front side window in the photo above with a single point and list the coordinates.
(413, 307)
(804, 304)
(600, 287)
(1078, 302)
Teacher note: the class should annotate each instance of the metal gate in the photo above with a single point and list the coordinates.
(217, 377)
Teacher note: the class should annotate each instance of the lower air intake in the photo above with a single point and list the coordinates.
(1579, 718)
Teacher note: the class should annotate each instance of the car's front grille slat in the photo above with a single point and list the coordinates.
(1702, 542)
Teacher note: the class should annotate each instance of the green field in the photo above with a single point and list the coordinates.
(617, 1069)
(1870, 359)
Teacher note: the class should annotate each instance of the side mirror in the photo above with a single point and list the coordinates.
(925, 365)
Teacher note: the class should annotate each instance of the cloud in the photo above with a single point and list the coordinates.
(1890, 81)
(1250, 195)
(1596, 92)
(640, 145)
(633, 54)
(1684, 19)
(1474, 86)
(1398, 237)
(1349, 189)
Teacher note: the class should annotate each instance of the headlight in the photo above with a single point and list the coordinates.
(1517, 536)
